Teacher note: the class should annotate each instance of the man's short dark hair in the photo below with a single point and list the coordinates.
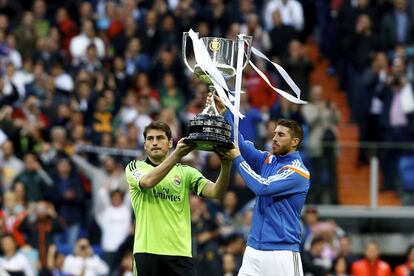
(294, 127)
(160, 126)
(317, 240)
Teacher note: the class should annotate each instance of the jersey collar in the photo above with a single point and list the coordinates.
(148, 161)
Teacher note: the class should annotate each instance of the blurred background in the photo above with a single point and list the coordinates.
(81, 79)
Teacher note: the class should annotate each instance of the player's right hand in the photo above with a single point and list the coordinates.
(221, 108)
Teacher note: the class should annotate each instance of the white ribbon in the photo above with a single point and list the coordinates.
(239, 70)
(284, 75)
(204, 61)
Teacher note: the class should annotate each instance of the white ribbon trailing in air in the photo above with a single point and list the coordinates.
(204, 61)
(284, 75)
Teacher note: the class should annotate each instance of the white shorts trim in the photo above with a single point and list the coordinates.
(271, 263)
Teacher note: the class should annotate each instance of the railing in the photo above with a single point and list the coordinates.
(349, 153)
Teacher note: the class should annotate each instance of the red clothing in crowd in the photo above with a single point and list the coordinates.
(260, 94)
(12, 223)
(365, 268)
(404, 269)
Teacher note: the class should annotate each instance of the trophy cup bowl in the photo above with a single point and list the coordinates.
(209, 129)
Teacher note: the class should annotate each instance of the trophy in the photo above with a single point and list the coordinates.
(209, 129)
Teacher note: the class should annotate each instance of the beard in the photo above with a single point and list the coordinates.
(280, 150)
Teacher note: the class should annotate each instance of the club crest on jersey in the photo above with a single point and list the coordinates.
(177, 180)
(136, 174)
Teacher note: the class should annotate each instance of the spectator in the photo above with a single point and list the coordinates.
(226, 216)
(361, 46)
(261, 96)
(299, 66)
(126, 267)
(234, 245)
(406, 269)
(63, 81)
(206, 233)
(79, 44)
(84, 261)
(322, 117)
(396, 27)
(36, 181)
(370, 106)
(91, 62)
(135, 60)
(345, 253)
(396, 120)
(249, 126)
(55, 261)
(371, 264)
(169, 116)
(25, 34)
(312, 260)
(99, 176)
(229, 266)
(280, 35)
(13, 215)
(11, 260)
(291, 12)
(114, 217)
(67, 28)
(41, 23)
(12, 166)
(149, 33)
(171, 95)
(68, 197)
(340, 267)
(40, 225)
(253, 28)
(286, 110)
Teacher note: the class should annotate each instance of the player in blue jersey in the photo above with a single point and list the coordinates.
(281, 182)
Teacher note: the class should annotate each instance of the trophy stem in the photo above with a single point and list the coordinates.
(211, 108)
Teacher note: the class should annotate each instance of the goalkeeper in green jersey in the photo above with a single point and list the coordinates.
(159, 188)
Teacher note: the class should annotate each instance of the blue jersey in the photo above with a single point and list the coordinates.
(281, 184)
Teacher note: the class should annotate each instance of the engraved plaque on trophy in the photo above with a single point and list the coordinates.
(209, 129)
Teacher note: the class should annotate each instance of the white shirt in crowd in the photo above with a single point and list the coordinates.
(291, 13)
(91, 266)
(17, 263)
(80, 43)
(114, 222)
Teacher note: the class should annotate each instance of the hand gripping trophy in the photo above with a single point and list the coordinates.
(209, 129)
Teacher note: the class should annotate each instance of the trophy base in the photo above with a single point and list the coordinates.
(208, 142)
(208, 132)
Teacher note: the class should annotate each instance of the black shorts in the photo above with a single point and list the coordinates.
(154, 265)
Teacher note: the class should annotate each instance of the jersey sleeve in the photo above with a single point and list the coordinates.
(196, 180)
(287, 180)
(133, 174)
(253, 156)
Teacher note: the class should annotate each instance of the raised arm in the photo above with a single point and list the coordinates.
(83, 165)
(252, 155)
(287, 180)
(219, 188)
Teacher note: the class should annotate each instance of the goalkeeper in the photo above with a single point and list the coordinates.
(159, 188)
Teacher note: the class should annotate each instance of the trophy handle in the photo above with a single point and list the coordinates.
(184, 52)
(248, 40)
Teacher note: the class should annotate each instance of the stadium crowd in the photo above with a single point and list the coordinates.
(95, 73)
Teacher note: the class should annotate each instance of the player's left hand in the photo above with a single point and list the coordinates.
(182, 148)
(228, 154)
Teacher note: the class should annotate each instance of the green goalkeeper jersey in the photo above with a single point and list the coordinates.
(162, 213)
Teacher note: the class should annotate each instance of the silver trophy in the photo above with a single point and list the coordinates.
(209, 129)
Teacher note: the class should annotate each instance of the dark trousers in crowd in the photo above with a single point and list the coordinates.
(323, 178)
